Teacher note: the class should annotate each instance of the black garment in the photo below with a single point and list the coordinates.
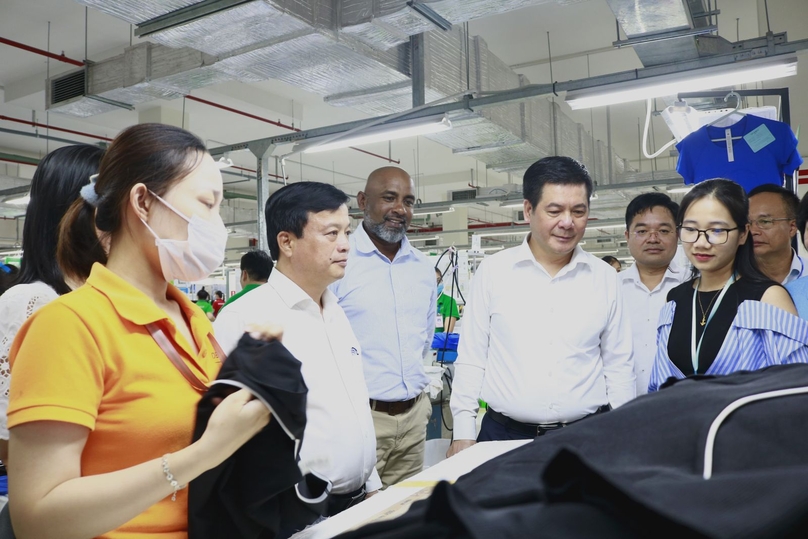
(679, 343)
(254, 493)
(637, 472)
(337, 503)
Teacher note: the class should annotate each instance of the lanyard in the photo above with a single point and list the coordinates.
(695, 350)
(169, 350)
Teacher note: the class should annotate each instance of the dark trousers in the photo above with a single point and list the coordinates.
(491, 431)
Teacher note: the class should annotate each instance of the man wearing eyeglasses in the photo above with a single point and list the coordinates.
(773, 218)
(651, 235)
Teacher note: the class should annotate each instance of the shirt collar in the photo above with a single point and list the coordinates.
(579, 257)
(674, 271)
(132, 304)
(292, 295)
(796, 264)
(365, 245)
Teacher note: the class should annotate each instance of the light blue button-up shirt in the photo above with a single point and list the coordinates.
(391, 306)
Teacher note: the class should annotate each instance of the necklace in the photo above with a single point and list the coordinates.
(709, 306)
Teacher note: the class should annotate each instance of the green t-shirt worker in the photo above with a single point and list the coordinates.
(203, 302)
(255, 269)
(447, 312)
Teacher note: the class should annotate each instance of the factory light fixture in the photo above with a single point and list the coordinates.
(380, 133)
(427, 238)
(432, 211)
(511, 233)
(734, 74)
(518, 204)
(594, 224)
(603, 252)
(18, 200)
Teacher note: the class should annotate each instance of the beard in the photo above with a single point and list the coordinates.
(381, 231)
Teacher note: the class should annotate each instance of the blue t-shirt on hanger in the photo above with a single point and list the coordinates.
(766, 151)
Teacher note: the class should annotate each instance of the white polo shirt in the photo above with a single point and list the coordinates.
(339, 442)
(643, 306)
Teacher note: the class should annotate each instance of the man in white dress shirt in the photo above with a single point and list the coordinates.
(389, 294)
(652, 240)
(307, 232)
(773, 218)
(545, 338)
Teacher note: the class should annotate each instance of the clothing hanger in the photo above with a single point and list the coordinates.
(736, 110)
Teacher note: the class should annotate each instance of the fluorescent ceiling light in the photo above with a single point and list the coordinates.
(428, 238)
(684, 189)
(603, 252)
(595, 225)
(519, 204)
(381, 133)
(512, 233)
(497, 248)
(734, 74)
(18, 200)
(430, 211)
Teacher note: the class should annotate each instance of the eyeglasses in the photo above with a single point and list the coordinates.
(714, 236)
(765, 223)
(643, 233)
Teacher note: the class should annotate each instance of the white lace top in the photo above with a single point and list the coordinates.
(17, 304)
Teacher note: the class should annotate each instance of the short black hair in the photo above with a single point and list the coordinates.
(648, 201)
(790, 201)
(203, 294)
(802, 215)
(257, 264)
(555, 170)
(219, 294)
(288, 208)
(610, 259)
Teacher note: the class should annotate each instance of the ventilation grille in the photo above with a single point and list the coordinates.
(464, 194)
(68, 87)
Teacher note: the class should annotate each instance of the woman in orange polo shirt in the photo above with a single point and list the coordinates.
(100, 417)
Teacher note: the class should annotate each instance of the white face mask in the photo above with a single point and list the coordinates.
(198, 256)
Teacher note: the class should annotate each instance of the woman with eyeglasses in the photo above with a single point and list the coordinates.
(730, 316)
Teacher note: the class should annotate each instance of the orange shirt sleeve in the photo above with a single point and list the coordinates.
(57, 371)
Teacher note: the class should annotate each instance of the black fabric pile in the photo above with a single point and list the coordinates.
(637, 472)
(254, 493)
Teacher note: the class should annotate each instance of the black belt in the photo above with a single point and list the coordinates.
(537, 429)
(392, 408)
(337, 503)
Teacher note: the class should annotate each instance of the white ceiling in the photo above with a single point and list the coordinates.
(516, 37)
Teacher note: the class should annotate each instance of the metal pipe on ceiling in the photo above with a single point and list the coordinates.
(41, 52)
(277, 124)
(63, 130)
(37, 135)
(19, 159)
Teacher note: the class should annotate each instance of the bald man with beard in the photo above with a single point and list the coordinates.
(389, 294)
